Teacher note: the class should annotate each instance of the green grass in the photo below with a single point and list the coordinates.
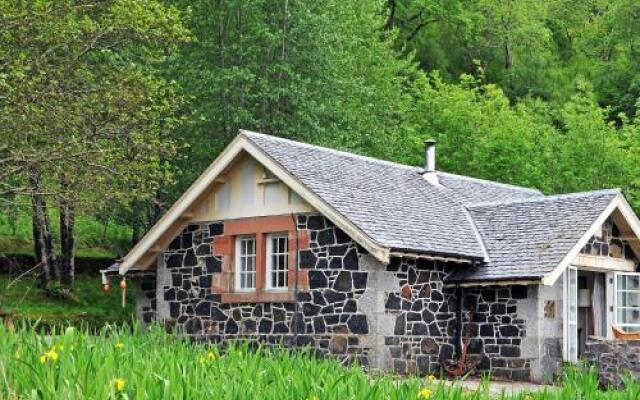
(91, 307)
(93, 238)
(120, 363)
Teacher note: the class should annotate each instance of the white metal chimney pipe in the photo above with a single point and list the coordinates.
(430, 155)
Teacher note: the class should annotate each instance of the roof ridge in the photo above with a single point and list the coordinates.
(547, 198)
(481, 180)
(329, 150)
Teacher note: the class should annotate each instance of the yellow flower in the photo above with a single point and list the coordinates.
(43, 359)
(118, 384)
(52, 355)
(431, 379)
(528, 397)
(208, 358)
(424, 394)
(119, 346)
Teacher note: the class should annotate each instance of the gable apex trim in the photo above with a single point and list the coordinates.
(619, 203)
(243, 143)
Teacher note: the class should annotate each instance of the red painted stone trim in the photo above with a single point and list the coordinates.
(224, 247)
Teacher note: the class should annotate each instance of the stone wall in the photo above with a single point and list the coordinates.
(426, 322)
(326, 316)
(398, 317)
(609, 244)
(614, 359)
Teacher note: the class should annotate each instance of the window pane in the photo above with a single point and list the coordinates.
(278, 260)
(246, 263)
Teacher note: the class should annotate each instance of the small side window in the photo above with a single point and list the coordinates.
(277, 261)
(246, 263)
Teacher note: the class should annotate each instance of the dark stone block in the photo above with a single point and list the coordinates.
(434, 330)
(279, 315)
(414, 316)
(360, 280)
(205, 281)
(303, 296)
(326, 237)
(341, 237)
(394, 264)
(419, 329)
(412, 277)
(318, 325)
(358, 324)
(315, 222)
(193, 326)
(519, 292)
(203, 250)
(213, 265)
(350, 306)
(333, 297)
(203, 309)
(280, 327)
(331, 319)
(174, 309)
(393, 302)
(424, 264)
(217, 315)
(307, 259)
(521, 375)
(231, 327)
(338, 250)
(174, 261)
(498, 308)
(400, 326)
(181, 295)
(187, 240)
(265, 326)
(328, 310)
(343, 282)
(335, 263)
(509, 331)
(249, 326)
(190, 259)
(436, 295)
(322, 264)
(350, 260)
(476, 346)
(170, 294)
(427, 316)
(509, 351)
(318, 298)
(186, 284)
(488, 295)
(338, 345)
(486, 330)
(215, 229)
(297, 323)
(310, 309)
(175, 243)
(446, 352)
(317, 280)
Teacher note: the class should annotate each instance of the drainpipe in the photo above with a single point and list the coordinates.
(458, 338)
(295, 287)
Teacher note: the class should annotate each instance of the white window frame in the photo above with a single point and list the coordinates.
(240, 260)
(570, 321)
(270, 254)
(616, 291)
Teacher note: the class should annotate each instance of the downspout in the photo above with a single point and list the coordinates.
(295, 285)
(458, 338)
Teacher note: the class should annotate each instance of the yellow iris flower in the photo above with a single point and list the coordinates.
(119, 346)
(424, 394)
(118, 384)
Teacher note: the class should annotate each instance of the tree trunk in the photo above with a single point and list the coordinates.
(42, 239)
(67, 244)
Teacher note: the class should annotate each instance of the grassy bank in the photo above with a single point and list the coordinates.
(120, 364)
(93, 238)
(89, 306)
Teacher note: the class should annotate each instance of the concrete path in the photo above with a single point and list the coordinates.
(499, 387)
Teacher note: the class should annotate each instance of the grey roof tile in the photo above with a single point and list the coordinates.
(391, 203)
(529, 238)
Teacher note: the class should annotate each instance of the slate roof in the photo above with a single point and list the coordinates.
(519, 232)
(391, 203)
(529, 238)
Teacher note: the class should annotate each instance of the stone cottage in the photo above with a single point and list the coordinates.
(403, 269)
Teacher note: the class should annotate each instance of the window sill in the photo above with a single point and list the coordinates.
(259, 297)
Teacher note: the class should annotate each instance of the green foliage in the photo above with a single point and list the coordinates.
(119, 363)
